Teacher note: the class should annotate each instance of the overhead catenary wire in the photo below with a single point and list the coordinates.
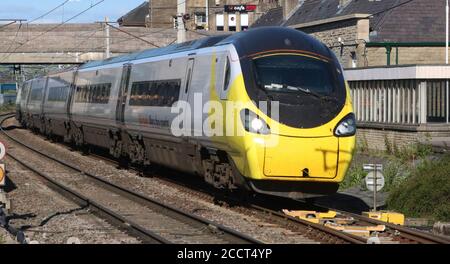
(130, 34)
(55, 27)
(127, 39)
(13, 41)
(390, 8)
(8, 24)
(49, 12)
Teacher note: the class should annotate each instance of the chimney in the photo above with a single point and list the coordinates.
(288, 7)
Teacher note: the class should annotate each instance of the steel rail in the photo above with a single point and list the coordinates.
(341, 235)
(82, 200)
(408, 233)
(404, 232)
(230, 233)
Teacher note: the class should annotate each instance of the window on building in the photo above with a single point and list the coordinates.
(244, 21)
(232, 22)
(175, 22)
(93, 93)
(219, 22)
(163, 93)
(200, 20)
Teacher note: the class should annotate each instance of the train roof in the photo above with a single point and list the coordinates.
(174, 48)
(247, 42)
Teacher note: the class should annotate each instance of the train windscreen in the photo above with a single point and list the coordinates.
(310, 90)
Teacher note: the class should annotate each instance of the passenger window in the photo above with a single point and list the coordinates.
(188, 80)
(95, 94)
(227, 76)
(155, 93)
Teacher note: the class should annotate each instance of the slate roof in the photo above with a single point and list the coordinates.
(136, 17)
(273, 17)
(412, 21)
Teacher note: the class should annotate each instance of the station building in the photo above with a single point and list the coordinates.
(224, 15)
(365, 33)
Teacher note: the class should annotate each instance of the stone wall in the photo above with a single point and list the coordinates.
(352, 33)
(376, 56)
(379, 138)
(162, 12)
(81, 41)
(81, 37)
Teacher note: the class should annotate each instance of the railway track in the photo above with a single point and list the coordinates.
(150, 220)
(392, 234)
(317, 232)
(402, 234)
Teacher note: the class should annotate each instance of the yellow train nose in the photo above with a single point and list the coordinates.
(302, 157)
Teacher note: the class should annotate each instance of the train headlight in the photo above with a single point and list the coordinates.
(347, 127)
(253, 123)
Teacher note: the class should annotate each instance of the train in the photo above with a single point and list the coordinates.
(291, 116)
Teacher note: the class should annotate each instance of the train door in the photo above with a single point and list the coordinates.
(188, 91)
(72, 90)
(44, 95)
(123, 93)
(223, 76)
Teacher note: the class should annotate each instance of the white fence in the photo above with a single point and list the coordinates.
(409, 95)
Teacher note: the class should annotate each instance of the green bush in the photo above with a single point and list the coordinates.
(426, 193)
(414, 151)
(355, 176)
(394, 172)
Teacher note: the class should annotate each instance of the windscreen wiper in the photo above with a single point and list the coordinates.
(260, 87)
(309, 92)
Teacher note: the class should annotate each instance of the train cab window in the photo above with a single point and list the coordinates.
(296, 75)
(162, 93)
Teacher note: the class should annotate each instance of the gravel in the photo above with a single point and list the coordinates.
(252, 225)
(48, 217)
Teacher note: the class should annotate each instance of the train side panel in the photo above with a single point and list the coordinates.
(93, 106)
(35, 102)
(21, 102)
(55, 103)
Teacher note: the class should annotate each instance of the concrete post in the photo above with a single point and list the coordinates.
(181, 10)
(423, 102)
(225, 22)
(107, 39)
(238, 22)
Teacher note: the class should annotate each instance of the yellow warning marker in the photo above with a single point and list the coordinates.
(336, 221)
(386, 216)
(364, 231)
(319, 217)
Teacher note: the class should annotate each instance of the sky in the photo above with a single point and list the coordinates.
(31, 9)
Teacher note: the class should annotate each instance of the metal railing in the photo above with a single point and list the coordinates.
(401, 96)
